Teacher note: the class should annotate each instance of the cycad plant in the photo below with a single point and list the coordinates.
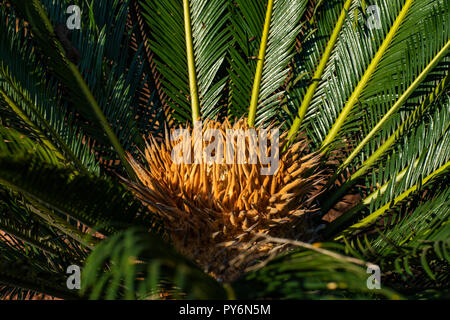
(358, 91)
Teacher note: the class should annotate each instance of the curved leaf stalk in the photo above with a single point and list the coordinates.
(442, 53)
(319, 72)
(191, 63)
(332, 227)
(66, 71)
(406, 125)
(66, 150)
(336, 224)
(260, 66)
(24, 117)
(378, 213)
(367, 76)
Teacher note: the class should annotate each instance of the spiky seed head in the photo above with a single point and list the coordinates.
(212, 206)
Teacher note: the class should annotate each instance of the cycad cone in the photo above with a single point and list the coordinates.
(214, 211)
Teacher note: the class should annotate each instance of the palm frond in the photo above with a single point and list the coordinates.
(202, 30)
(420, 66)
(32, 235)
(281, 28)
(412, 245)
(359, 55)
(32, 100)
(67, 72)
(416, 118)
(30, 276)
(321, 272)
(137, 265)
(307, 65)
(99, 203)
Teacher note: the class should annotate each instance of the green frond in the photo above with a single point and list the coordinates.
(281, 27)
(381, 211)
(360, 55)
(137, 265)
(418, 115)
(320, 68)
(112, 62)
(99, 203)
(393, 192)
(67, 72)
(412, 243)
(37, 266)
(404, 77)
(371, 68)
(33, 233)
(33, 100)
(374, 102)
(15, 143)
(204, 59)
(247, 21)
(27, 275)
(309, 274)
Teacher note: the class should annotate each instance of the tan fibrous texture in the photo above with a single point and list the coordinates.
(209, 207)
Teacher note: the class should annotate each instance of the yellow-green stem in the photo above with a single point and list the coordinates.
(377, 154)
(195, 106)
(396, 106)
(378, 213)
(403, 127)
(367, 75)
(332, 227)
(102, 119)
(25, 119)
(319, 72)
(260, 66)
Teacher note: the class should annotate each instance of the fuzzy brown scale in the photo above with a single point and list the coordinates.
(210, 210)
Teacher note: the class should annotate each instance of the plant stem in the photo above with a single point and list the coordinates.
(319, 72)
(397, 105)
(378, 213)
(390, 141)
(260, 66)
(102, 120)
(195, 106)
(367, 75)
